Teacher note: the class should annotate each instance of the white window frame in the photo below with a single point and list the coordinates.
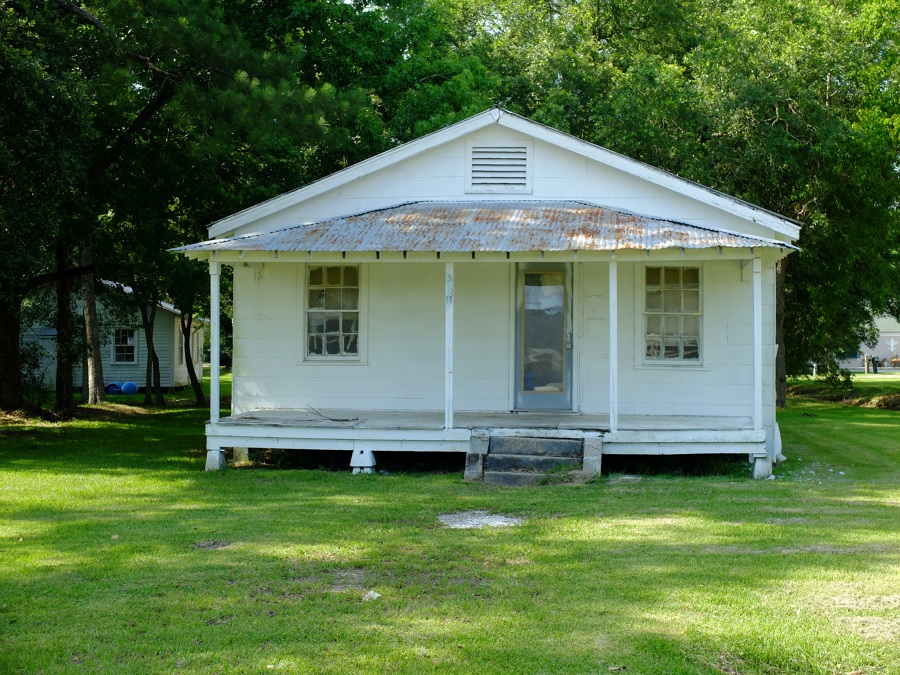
(641, 315)
(362, 333)
(113, 356)
(474, 188)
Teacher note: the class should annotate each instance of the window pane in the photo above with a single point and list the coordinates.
(672, 276)
(691, 350)
(332, 298)
(671, 301)
(653, 323)
(350, 322)
(315, 344)
(332, 323)
(654, 301)
(690, 277)
(691, 301)
(332, 276)
(316, 276)
(351, 344)
(350, 298)
(316, 323)
(351, 276)
(316, 298)
(691, 326)
(654, 277)
(671, 326)
(653, 349)
(332, 344)
(672, 348)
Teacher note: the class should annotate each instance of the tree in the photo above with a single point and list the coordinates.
(141, 80)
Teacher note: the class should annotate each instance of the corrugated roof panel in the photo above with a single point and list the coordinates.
(504, 226)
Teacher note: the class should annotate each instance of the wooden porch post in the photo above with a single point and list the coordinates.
(613, 345)
(757, 344)
(448, 345)
(215, 456)
(214, 341)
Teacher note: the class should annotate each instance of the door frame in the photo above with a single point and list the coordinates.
(566, 400)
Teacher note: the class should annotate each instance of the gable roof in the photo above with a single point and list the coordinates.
(504, 118)
(502, 226)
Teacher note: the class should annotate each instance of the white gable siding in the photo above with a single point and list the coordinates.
(441, 173)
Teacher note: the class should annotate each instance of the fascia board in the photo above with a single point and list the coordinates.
(651, 174)
(226, 226)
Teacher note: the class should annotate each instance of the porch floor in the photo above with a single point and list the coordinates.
(434, 420)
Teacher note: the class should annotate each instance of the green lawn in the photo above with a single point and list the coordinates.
(118, 554)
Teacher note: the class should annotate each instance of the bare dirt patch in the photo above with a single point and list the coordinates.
(211, 545)
(347, 579)
(465, 520)
(874, 627)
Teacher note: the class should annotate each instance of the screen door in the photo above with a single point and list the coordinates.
(544, 337)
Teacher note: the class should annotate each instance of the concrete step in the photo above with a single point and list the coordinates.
(537, 447)
(529, 463)
(512, 478)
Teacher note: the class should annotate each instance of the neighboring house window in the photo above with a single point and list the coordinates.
(124, 346)
(672, 314)
(332, 310)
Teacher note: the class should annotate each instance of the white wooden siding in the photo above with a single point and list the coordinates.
(441, 173)
(404, 365)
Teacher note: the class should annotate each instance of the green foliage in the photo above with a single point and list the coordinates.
(176, 114)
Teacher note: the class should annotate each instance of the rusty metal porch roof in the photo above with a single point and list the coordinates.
(503, 226)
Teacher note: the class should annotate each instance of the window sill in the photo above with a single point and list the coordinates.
(699, 367)
(331, 361)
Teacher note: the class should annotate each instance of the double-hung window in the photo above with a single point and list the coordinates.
(124, 346)
(672, 313)
(332, 311)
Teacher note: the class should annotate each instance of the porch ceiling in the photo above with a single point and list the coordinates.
(482, 226)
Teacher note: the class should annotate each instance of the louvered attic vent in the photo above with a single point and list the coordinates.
(496, 168)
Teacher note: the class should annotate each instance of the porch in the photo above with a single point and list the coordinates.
(424, 431)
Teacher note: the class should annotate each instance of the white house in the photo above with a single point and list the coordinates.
(886, 350)
(124, 348)
(501, 279)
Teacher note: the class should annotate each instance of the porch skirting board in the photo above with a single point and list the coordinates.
(405, 433)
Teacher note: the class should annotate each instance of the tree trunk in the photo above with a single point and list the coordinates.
(10, 363)
(157, 386)
(780, 360)
(92, 389)
(186, 321)
(148, 317)
(65, 336)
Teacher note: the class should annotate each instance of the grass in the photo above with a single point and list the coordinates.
(119, 554)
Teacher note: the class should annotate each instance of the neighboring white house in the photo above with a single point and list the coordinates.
(124, 349)
(887, 349)
(500, 278)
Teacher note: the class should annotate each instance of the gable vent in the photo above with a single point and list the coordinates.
(496, 168)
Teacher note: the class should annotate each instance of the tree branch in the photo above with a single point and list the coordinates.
(157, 103)
(83, 13)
